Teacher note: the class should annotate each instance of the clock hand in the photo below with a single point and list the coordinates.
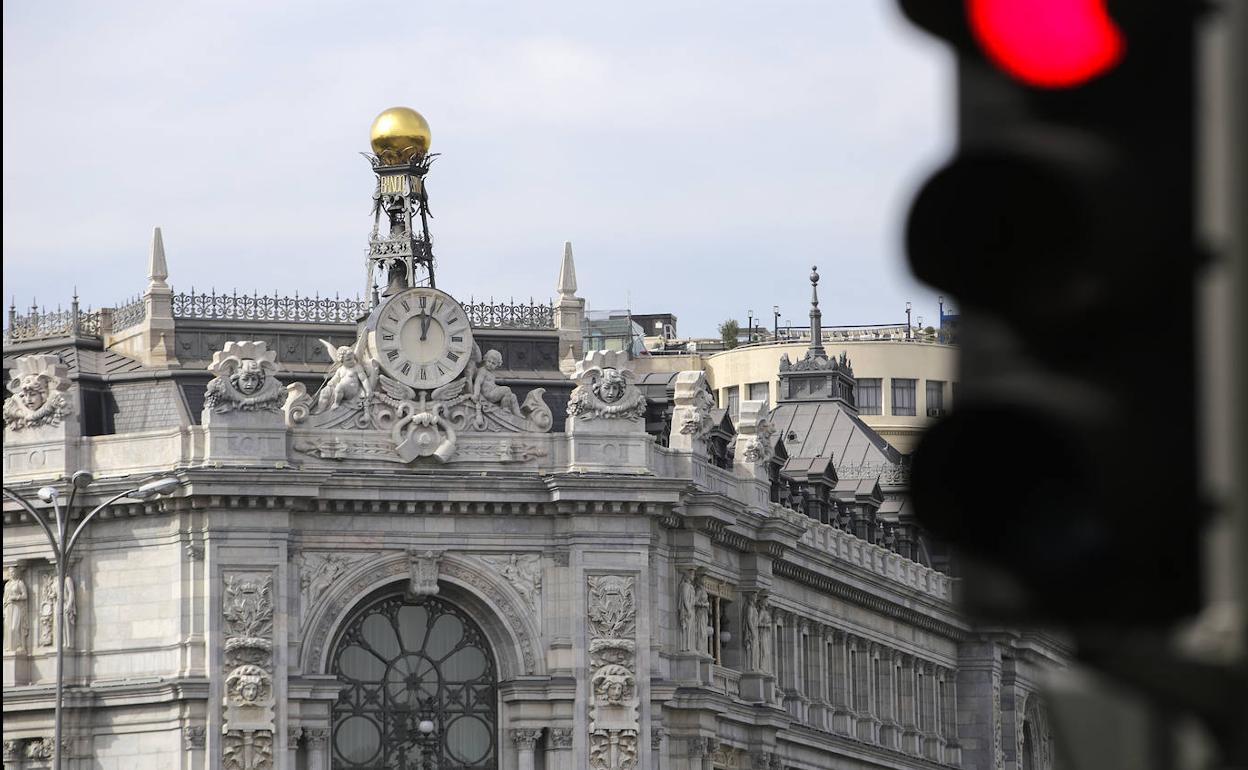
(424, 325)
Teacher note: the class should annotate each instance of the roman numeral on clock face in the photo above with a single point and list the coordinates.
(457, 339)
(407, 367)
(451, 354)
(392, 354)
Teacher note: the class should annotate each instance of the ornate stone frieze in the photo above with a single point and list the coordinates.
(317, 737)
(422, 577)
(47, 609)
(358, 396)
(523, 571)
(40, 748)
(560, 739)
(998, 745)
(38, 384)
(16, 624)
(247, 749)
(613, 703)
(606, 393)
(726, 757)
(244, 380)
(525, 738)
(248, 700)
(319, 570)
(193, 737)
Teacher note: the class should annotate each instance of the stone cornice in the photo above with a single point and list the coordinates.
(105, 694)
(830, 584)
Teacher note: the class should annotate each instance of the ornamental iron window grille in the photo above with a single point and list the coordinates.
(404, 661)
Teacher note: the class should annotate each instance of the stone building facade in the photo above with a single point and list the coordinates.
(544, 561)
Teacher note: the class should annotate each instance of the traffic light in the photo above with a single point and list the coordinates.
(1064, 225)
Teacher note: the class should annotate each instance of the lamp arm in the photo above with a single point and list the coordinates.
(87, 519)
(37, 516)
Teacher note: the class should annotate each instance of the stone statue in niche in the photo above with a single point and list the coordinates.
(687, 613)
(765, 632)
(702, 619)
(69, 620)
(15, 624)
(244, 380)
(749, 633)
(349, 378)
(38, 397)
(606, 393)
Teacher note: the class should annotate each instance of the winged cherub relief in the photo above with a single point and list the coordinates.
(349, 378)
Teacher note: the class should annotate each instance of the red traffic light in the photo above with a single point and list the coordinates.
(1047, 43)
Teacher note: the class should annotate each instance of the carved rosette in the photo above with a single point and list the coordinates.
(38, 386)
(248, 701)
(244, 380)
(613, 702)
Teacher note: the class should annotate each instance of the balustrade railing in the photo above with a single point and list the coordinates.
(40, 324)
(510, 315)
(212, 306)
(129, 314)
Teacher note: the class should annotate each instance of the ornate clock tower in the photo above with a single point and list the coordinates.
(400, 251)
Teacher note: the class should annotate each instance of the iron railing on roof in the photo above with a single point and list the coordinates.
(40, 324)
(510, 315)
(254, 307)
(129, 314)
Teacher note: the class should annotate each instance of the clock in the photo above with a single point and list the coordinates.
(420, 337)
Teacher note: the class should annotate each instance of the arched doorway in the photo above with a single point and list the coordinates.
(406, 661)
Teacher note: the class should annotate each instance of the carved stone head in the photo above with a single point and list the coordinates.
(492, 360)
(611, 387)
(346, 356)
(249, 377)
(38, 386)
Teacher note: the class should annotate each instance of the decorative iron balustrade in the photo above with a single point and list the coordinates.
(244, 307)
(41, 325)
(510, 315)
(129, 314)
(889, 474)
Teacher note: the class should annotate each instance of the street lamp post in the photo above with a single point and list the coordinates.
(775, 311)
(750, 323)
(907, 321)
(62, 542)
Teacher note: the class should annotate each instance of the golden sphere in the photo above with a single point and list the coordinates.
(398, 134)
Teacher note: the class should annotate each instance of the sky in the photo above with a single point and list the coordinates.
(699, 155)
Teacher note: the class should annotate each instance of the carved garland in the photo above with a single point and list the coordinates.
(613, 701)
(247, 612)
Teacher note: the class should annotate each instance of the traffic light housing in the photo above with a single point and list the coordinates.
(1064, 225)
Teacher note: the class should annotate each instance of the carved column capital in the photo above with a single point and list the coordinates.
(318, 737)
(560, 738)
(656, 737)
(526, 738)
(293, 734)
(193, 737)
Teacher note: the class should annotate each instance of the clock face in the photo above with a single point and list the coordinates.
(421, 337)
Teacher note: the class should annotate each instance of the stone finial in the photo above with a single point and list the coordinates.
(157, 268)
(567, 273)
(816, 316)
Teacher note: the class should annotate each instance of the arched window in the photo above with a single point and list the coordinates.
(403, 662)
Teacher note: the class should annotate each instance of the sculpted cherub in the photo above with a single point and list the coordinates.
(485, 387)
(348, 378)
